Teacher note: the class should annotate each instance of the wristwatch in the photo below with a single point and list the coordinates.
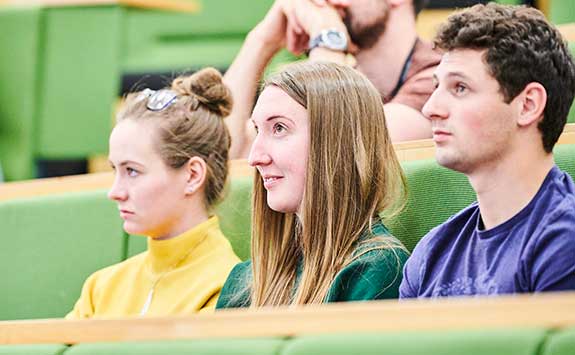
(331, 39)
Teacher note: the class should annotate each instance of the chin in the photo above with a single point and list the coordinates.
(282, 206)
(133, 229)
(450, 163)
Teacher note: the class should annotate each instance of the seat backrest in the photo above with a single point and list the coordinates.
(561, 342)
(571, 116)
(50, 245)
(564, 155)
(20, 71)
(434, 194)
(562, 11)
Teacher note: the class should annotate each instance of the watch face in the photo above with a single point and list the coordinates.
(335, 40)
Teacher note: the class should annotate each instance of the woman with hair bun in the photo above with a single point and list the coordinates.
(169, 151)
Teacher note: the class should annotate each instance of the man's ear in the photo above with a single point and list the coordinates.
(532, 101)
(196, 171)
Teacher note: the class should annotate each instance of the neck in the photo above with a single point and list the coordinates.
(383, 62)
(194, 214)
(507, 186)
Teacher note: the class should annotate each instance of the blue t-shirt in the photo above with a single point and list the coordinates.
(531, 252)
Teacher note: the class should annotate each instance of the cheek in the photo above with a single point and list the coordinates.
(471, 123)
(155, 194)
(298, 159)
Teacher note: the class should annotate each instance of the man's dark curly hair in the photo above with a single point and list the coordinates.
(521, 47)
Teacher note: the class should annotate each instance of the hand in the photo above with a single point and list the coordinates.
(272, 28)
(305, 20)
(334, 3)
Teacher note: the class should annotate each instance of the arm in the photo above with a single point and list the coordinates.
(236, 290)
(410, 278)
(84, 307)
(405, 123)
(243, 76)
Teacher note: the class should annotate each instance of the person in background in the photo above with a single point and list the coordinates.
(169, 152)
(503, 91)
(380, 33)
(325, 169)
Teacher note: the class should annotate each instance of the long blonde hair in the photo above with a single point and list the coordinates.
(352, 174)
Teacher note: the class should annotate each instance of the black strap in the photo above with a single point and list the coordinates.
(404, 71)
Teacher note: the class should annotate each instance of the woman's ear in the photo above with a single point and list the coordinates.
(532, 104)
(196, 171)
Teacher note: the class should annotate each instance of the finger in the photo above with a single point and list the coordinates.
(340, 3)
(294, 21)
(302, 44)
(352, 47)
(291, 40)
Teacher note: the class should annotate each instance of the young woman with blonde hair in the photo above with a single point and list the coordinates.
(325, 170)
(169, 151)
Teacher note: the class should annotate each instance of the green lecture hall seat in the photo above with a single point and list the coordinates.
(57, 102)
(51, 245)
(561, 11)
(561, 342)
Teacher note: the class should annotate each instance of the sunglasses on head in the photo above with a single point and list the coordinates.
(158, 100)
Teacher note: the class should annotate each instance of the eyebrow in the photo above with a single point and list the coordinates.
(273, 117)
(456, 74)
(125, 162)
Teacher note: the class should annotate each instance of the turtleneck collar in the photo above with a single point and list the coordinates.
(165, 254)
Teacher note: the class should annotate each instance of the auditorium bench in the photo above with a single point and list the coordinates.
(541, 324)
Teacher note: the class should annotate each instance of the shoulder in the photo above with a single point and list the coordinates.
(374, 271)
(375, 274)
(121, 269)
(554, 213)
(558, 197)
(448, 231)
(97, 283)
(236, 290)
(218, 249)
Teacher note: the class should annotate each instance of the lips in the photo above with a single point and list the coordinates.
(440, 135)
(125, 213)
(271, 180)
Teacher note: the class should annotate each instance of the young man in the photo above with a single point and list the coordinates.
(503, 90)
(382, 35)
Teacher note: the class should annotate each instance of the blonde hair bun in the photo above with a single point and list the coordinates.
(208, 88)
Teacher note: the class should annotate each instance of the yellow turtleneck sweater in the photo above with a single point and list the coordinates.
(189, 271)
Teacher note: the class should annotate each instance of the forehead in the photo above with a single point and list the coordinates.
(274, 102)
(132, 140)
(463, 62)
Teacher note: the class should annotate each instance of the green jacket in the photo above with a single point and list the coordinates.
(374, 273)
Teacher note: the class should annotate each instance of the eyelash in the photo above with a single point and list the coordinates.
(132, 172)
(278, 126)
(459, 86)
